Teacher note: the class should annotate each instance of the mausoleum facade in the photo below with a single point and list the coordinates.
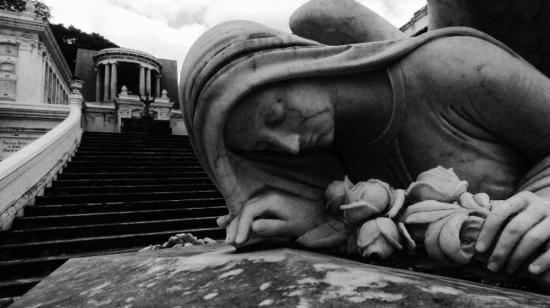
(119, 80)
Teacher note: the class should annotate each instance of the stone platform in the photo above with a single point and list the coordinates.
(214, 275)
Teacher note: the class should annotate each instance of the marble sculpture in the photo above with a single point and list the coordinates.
(347, 136)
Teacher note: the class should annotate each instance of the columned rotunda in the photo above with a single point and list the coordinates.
(120, 80)
(109, 62)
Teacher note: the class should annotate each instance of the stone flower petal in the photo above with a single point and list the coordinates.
(450, 243)
(366, 199)
(389, 230)
(335, 194)
(470, 229)
(378, 250)
(398, 200)
(367, 234)
(333, 205)
(439, 184)
(374, 192)
(431, 242)
(407, 238)
(328, 235)
(470, 201)
(358, 211)
(467, 201)
(378, 238)
(429, 211)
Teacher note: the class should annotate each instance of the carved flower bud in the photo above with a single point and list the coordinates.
(365, 200)
(335, 194)
(378, 238)
(439, 184)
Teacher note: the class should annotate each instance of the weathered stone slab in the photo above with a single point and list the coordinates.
(215, 275)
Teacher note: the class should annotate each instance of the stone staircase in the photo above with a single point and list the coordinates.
(120, 193)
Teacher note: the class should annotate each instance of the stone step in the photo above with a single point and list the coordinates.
(137, 206)
(129, 175)
(125, 182)
(125, 147)
(17, 287)
(130, 154)
(137, 159)
(106, 229)
(137, 151)
(132, 135)
(77, 190)
(138, 148)
(115, 217)
(89, 244)
(87, 198)
(6, 301)
(113, 140)
(129, 163)
(126, 140)
(124, 168)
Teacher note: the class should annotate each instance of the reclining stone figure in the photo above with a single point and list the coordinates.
(275, 118)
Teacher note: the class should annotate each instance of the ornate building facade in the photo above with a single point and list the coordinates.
(34, 79)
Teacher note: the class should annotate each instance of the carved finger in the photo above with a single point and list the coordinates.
(511, 235)
(223, 221)
(272, 227)
(249, 213)
(541, 264)
(532, 241)
(231, 230)
(495, 220)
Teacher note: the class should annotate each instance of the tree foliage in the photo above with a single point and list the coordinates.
(70, 39)
(13, 5)
(41, 10)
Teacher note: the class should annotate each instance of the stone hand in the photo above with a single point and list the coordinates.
(274, 214)
(527, 230)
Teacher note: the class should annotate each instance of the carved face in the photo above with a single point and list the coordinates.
(286, 117)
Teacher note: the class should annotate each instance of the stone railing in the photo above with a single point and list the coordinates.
(25, 174)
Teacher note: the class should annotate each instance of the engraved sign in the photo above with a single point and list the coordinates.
(8, 147)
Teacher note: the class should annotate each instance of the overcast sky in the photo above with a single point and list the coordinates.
(167, 28)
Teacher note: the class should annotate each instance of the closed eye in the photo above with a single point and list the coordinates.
(274, 114)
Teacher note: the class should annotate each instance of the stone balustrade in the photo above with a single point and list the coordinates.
(25, 174)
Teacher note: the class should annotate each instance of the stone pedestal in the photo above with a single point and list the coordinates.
(101, 117)
(215, 276)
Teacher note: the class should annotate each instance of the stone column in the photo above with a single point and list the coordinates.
(97, 85)
(114, 81)
(141, 80)
(148, 82)
(106, 83)
(157, 89)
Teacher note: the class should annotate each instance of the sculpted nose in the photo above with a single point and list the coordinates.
(287, 142)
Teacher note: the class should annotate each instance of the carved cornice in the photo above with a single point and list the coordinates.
(43, 111)
(114, 55)
(46, 37)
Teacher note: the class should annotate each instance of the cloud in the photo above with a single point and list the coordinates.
(168, 28)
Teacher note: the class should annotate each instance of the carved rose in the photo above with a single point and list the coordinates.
(451, 229)
(335, 194)
(366, 199)
(378, 238)
(439, 184)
